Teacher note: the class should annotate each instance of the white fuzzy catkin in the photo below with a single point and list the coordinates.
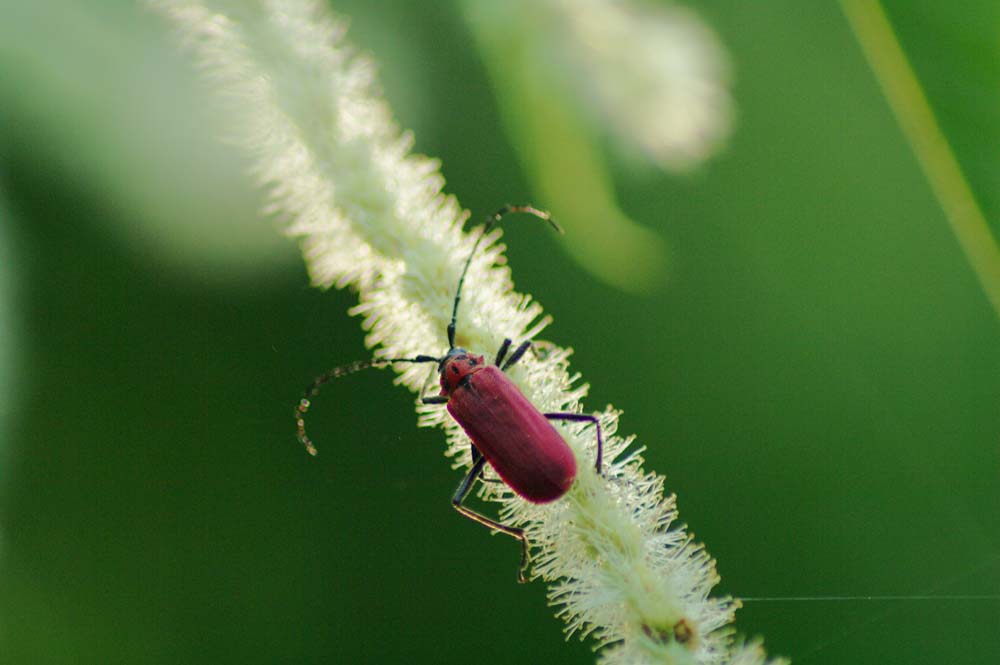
(656, 74)
(372, 216)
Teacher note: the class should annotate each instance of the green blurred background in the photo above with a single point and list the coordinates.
(819, 378)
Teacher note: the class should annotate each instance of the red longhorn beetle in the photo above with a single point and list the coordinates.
(506, 429)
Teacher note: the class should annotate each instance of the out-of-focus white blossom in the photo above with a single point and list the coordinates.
(105, 103)
(372, 215)
(654, 76)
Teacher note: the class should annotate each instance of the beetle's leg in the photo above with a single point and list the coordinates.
(502, 352)
(518, 352)
(583, 418)
(462, 492)
(476, 456)
(434, 399)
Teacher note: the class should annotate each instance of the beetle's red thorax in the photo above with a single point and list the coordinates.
(458, 370)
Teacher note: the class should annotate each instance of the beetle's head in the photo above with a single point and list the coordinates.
(456, 366)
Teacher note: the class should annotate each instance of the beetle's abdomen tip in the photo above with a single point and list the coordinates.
(550, 491)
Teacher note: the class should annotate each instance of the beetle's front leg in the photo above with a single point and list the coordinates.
(519, 352)
(502, 351)
(433, 399)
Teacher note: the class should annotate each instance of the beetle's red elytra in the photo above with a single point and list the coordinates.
(506, 430)
(521, 445)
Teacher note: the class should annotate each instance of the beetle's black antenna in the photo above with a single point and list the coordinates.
(491, 222)
(303, 406)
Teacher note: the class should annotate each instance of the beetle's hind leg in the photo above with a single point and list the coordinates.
(476, 456)
(460, 495)
(584, 418)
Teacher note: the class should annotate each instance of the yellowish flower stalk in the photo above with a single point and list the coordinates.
(371, 215)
